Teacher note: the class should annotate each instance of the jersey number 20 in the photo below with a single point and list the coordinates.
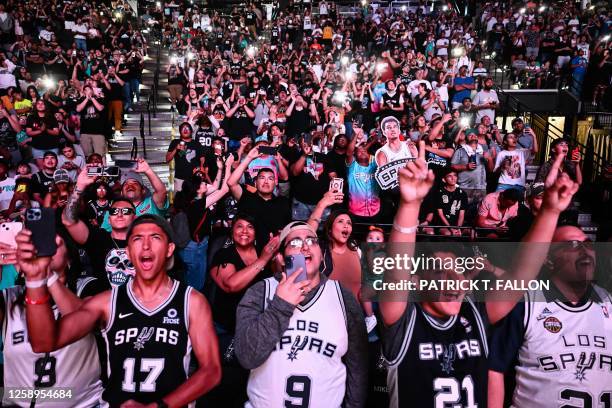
(152, 366)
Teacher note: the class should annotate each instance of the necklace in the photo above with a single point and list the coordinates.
(159, 295)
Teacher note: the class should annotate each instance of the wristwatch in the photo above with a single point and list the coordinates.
(161, 404)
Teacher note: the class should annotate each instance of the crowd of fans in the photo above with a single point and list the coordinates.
(286, 115)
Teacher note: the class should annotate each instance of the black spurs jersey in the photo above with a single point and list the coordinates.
(148, 351)
(438, 364)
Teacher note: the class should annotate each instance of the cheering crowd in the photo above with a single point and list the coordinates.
(304, 140)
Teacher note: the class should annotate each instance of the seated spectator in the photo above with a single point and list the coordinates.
(450, 203)
(519, 225)
(496, 209)
(69, 161)
(7, 184)
(43, 179)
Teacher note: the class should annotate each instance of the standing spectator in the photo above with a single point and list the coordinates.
(188, 156)
(471, 163)
(43, 180)
(7, 184)
(363, 191)
(114, 85)
(99, 204)
(486, 101)
(176, 80)
(578, 65)
(269, 311)
(511, 164)
(43, 128)
(69, 161)
(92, 123)
(310, 179)
(462, 85)
(571, 166)
(525, 137)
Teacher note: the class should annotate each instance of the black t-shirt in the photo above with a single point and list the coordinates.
(43, 141)
(108, 257)
(240, 125)
(7, 134)
(92, 121)
(96, 211)
(270, 216)
(451, 203)
(297, 122)
(185, 161)
(116, 91)
(224, 304)
(42, 183)
(309, 186)
(336, 162)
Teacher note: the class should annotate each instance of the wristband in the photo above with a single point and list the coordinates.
(36, 284)
(54, 277)
(30, 301)
(405, 230)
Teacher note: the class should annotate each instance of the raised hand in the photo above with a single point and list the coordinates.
(291, 291)
(558, 196)
(142, 166)
(83, 179)
(271, 248)
(33, 267)
(415, 180)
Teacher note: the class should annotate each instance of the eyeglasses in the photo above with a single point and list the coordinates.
(298, 243)
(124, 211)
(574, 245)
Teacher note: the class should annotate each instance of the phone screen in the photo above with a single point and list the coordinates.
(267, 150)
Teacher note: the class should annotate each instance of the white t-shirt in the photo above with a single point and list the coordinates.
(483, 97)
(7, 188)
(515, 174)
(444, 43)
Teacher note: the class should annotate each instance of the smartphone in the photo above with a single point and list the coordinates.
(293, 263)
(527, 125)
(95, 171)
(8, 232)
(576, 154)
(126, 164)
(267, 150)
(336, 184)
(41, 221)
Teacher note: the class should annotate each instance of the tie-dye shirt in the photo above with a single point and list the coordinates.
(363, 189)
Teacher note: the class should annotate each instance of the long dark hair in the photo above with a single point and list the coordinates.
(352, 243)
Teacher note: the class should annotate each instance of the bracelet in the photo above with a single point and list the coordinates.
(30, 301)
(405, 230)
(36, 284)
(54, 277)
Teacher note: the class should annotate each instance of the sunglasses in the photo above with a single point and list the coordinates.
(124, 211)
(298, 243)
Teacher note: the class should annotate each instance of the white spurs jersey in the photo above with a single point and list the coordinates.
(403, 153)
(566, 356)
(76, 366)
(306, 368)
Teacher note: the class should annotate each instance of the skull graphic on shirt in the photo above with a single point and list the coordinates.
(118, 267)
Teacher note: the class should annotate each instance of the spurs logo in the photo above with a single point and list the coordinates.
(297, 346)
(145, 335)
(448, 357)
(582, 365)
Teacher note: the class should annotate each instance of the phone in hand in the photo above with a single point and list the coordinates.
(95, 171)
(336, 184)
(269, 150)
(576, 154)
(293, 263)
(41, 221)
(8, 232)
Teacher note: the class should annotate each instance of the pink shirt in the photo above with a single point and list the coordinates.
(489, 208)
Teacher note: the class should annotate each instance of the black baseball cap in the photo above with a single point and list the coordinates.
(152, 219)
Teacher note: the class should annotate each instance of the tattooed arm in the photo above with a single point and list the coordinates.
(70, 216)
